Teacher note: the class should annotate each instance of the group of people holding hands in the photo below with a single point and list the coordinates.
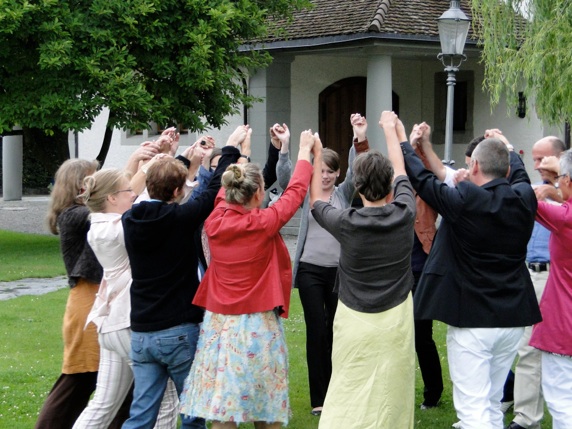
(180, 297)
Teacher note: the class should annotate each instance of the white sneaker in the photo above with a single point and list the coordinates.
(457, 425)
(505, 406)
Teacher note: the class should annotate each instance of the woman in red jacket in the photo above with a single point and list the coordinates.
(240, 371)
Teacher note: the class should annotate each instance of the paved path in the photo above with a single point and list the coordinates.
(21, 287)
(28, 215)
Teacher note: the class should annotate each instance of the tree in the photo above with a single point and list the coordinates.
(163, 61)
(532, 54)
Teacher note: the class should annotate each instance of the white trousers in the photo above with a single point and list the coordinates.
(557, 388)
(114, 380)
(528, 399)
(479, 360)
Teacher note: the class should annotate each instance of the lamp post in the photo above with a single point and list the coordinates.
(453, 30)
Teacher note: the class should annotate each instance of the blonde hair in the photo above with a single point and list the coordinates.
(241, 182)
(99, 186)
(67, 187)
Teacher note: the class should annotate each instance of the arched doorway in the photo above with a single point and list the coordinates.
(337, 102)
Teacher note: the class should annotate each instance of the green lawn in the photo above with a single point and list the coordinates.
(29, 255)
(31, 345)
(31, 353)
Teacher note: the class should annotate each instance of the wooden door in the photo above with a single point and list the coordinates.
(337, 102)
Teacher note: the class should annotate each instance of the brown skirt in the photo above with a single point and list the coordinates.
(81, 349)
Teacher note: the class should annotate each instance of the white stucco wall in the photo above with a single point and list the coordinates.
(90, 141)
(413, 81)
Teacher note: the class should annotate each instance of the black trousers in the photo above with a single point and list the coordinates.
(67, 399)
(315, 286)
(428, 358)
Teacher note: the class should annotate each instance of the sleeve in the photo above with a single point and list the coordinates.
(198, 210)
(517, 173)
(347, 186)
(403, 193)
(269, 170)
(186, 162)
(449, 177)
(275, 217)
(447, 201)
(552, 216)
(203, 178)
(284, 170)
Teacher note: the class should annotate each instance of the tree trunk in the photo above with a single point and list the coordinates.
(106, 140)
(43, 154)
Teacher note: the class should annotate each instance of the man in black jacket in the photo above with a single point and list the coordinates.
(475, 278)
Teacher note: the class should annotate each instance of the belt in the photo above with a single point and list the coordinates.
(538, 267)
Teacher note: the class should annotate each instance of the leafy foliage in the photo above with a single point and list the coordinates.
(532, 56)
(166, 61)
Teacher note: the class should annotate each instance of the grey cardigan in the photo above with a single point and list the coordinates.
(344, 192)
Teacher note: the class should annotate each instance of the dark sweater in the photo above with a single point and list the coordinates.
(163, 257)
(374, 273)
(79, 259)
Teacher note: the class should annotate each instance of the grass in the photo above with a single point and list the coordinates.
(29, 255)
(31, 346)
(30, 355)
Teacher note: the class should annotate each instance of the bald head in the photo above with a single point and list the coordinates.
(546, 146)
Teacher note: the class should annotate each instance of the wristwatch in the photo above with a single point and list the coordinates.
(245, 156)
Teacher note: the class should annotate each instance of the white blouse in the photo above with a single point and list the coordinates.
(112, 307)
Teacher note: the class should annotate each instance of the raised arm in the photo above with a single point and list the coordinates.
(195, 156)
(281, 134)
(359, 145)
(245, 147)
(207, 143)
(420, 139)
(316, 183)
(359, 127)
(143, 153)
(549, 191)
(137, 182)
(394, 131)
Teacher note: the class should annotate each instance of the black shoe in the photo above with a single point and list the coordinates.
(428, 407)
(514, 425)
(316, 411)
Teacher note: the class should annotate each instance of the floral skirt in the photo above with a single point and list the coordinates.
(240, 370)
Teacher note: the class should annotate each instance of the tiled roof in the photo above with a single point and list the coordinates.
(346, 17)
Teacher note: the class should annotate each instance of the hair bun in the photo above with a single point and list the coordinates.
(233, 177)
(87, 189)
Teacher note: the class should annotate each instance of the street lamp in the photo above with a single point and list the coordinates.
(453, 30)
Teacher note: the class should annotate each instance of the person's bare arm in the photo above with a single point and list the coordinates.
(359, 126)
(245, 148)
(433, 162)
(143, 153)
(316, 182)
(393, 130)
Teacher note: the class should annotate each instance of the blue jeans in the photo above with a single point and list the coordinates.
(157, 356)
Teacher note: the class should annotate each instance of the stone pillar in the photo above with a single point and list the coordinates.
(379, 86)
(12, 162)
(273, 86)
